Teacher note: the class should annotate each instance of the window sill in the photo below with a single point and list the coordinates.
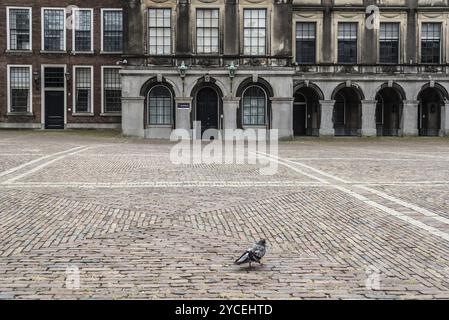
(19, 51)
(149, 126)
(105, 114)
(82, 52)
(54, 52)
(106, 52)
(80, 114)
(20, 114)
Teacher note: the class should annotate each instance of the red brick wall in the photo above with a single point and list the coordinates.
(36, 59)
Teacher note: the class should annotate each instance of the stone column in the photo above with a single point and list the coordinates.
(133, 33)
(327, 123)
(183, 113)
(132, 116)
(282, 116)
(369, 118)
(410, 118)
(230, 106)
(445, 119)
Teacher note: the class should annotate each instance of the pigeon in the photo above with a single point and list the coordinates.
(254, 254)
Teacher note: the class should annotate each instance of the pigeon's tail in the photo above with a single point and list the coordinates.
(243, 259)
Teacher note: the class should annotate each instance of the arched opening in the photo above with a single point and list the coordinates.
(254, 106)
(388, 112)
(160, 106)
(347, 112)
(306, 112)
(429, 111)
(208, 108)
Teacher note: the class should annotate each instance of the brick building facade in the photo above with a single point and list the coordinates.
(304, 67)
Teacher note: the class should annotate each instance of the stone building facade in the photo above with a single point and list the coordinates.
(304, 67)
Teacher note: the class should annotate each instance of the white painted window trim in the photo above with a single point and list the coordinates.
(102, 89)
(8, 31)
(30, 93)
(170, 125)
(91, 111)
(266, 108)
(101, 30)
(75, 11)
(43, 9)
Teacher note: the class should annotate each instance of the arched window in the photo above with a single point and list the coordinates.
(160, 106)
(254, 106)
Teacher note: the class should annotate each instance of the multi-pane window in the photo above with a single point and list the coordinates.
(54, 77)
(254, 106)
(431, 43)
(159, 25)
(207, 29)
(19, 89)
(160, 105)
(347, 42)
(389, 43)
(306, 42)
(112, 91)
(254, 32)
(112, 38)
(54, 29)
(19, 31)
(83, 30)
(83, 90)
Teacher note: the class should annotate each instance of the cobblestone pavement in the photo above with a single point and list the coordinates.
(343, 218)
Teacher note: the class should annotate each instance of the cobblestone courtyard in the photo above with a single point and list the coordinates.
(343, 218)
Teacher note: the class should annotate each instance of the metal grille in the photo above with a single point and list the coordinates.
(159, 31)
(19, 29)
(83, 89)
(254, 106)
(160, 106)
(54, 29)
(431, 43)
(83, 32)
(306, 42)
(347, 42)
(54, 77)
(112, 31)
(112, 90)
(254, 31)
(389, 43)
(207, 29)
(20, 89)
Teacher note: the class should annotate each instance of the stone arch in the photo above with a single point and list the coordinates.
(395, 86)
(145, 92)
(444, 95)
(260, 81)
(352, 85)
(311, 85)
(206, 80)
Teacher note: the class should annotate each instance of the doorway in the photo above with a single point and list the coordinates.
(207, 109)
(54, 97)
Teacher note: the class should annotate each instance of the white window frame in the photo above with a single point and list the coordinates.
(75, 11)
(103, 113)
(30, 67)
(267, 30)
(102, 27)
(8, 31)
(91, 111)
(267, 122)
(64, 49)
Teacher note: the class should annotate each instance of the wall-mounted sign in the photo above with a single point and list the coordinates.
(183, 105)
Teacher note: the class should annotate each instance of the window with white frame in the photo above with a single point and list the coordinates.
(160, 105)
(254, 106)
(159, 30)
(19, 28)
(53, 29)
(83, 35)
(347, 42)
(112, 34)
(83, 90)
(19, 93)
(207, 31)
(389, 43)
(112, 90)
(254, 32)
(431, 42)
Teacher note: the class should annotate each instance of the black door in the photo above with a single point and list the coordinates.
(207, 109)
(430, 119)
(299, 119)
(54, 109)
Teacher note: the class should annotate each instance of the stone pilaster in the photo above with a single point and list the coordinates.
(327, 124)
(132, 116)
(183, 114)
(369, 118)
(410, 118)
(230, 106)
(445, 119)
(282, 115)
